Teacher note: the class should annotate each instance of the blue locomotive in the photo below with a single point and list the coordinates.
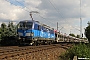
(33, 33)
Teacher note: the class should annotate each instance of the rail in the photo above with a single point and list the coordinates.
(15, 52)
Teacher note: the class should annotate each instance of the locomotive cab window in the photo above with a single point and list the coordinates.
(29, 25)
(21, 25)
(25, 25)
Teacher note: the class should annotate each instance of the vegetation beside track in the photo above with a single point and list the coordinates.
(7, 33)
(81, 50)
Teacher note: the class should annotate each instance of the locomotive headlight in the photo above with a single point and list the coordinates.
(27, 34)
(31, 34)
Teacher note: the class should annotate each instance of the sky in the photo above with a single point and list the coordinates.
(65, 12)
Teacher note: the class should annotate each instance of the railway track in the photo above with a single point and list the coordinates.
(14, 52)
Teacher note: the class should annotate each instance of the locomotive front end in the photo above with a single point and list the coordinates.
(25, 33)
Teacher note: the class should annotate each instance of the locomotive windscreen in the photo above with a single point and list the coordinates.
(27, 25)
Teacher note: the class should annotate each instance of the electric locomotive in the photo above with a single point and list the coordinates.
(33, 33)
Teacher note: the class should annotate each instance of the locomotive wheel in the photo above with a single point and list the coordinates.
(35, 43)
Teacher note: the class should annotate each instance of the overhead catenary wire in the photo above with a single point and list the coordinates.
(23, 5)
(39, 14)
(46, 19)
(42, 16)
(57, 10)
(15, 5)
(27, 10)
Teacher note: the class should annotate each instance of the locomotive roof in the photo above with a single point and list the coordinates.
(44, 25)
(38, 23)
(26, 21)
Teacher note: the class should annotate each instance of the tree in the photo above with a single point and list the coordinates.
(78, 36)
(3, 30)
(11, 29)
(0, 33)
(72, 35)
(8, 34)
(87, 31)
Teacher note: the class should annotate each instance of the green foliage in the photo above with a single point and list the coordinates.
(81, 50)
(87, 31)
(0, 34)
(7, 33)
(78, 36)
(72, 35)
(3, 30)
(11, 30)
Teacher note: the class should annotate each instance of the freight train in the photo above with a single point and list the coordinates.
(33, 33)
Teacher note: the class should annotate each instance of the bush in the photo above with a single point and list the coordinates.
(81, 50)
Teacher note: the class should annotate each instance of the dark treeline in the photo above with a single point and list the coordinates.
(8, 33)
